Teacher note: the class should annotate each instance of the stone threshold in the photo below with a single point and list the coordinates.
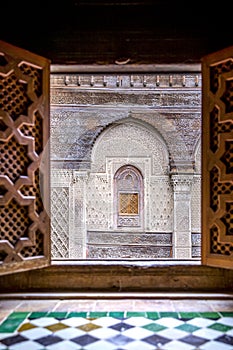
(120, 295)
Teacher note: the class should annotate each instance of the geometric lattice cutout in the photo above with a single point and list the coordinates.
(24, 132)
(128, 203)
(218, 188)
(217, 246)
(14, 98)
(14, 159)
(16, 222)
(36, 77)
(217, 160)
(36, 131)
(227, 219)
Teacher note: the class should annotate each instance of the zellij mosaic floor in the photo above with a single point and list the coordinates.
(117, 331)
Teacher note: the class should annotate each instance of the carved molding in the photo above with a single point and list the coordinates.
(127, 81)
(182, 183)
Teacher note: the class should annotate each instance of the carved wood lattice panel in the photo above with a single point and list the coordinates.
(128, 203)
(24, 183)
(217, 159)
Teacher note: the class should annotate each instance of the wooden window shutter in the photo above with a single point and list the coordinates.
(24, 169)
(217, 159)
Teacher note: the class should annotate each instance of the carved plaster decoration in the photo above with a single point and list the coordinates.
(182, 183)
(60, 222)
(101, 122)
(128, 140)
(126, 81)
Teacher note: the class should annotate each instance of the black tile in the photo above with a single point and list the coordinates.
(120, 339)
(13, 340)
(49, 340)
(84, 340)
(185, 319)
(227, 339)
(121, 327)
(156, 339)
(193, 340)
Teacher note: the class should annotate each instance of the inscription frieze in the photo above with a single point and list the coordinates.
(135, 98)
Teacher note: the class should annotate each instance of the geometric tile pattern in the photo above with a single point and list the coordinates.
(117, 331)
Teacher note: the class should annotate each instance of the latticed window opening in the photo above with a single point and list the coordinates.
(128, 199)
(128, 203)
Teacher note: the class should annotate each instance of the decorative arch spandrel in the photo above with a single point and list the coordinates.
(217, 159)
(24, 172)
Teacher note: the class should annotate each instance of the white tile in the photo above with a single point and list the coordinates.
(44, 321)
(26, 345)
(137, 345)
(63, 345)
(207, 333)
(230, 332)
(169, 322)
(3, 347)
(212, 345)
(6, 335)
(105, 321)
(226, 320)
(69, 333)
(173, 333)
(75, 321)
(177, 345)
(137, 333)
(201, 322)
(137, 321)
(100, 345)
(35, 333)
(104, 333)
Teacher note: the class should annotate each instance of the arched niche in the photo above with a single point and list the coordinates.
(128, 197)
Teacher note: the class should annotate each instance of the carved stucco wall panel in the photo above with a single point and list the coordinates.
(128, 140)
(161, 204)
(99, 202)
(100, 123)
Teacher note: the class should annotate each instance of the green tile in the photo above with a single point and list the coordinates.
(153, 327)
(135, 314)
(77, 314)
(96, 314)
(189, 328)
(57, 314)
(169, 314)
(34, 315)
(213, 315)
(19, 315)
(226, 313)
(117, 314)
(10, 325)
(220, 327)
(152, 315)
(189, 315)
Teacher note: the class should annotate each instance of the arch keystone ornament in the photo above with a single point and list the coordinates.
(24, 132)
(217, 159)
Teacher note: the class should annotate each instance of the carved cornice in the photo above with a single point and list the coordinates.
(127, 81)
